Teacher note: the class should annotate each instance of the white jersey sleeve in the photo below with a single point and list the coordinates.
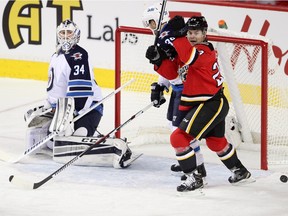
(163, 82)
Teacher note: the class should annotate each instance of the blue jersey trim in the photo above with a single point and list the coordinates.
(79, 83)
(177, 87)
(79, 94)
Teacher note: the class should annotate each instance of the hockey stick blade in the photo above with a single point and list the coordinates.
(24, 184)
(21, 183)
(36, 185)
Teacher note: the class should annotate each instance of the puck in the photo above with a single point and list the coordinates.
(283, 178)
(10, 178)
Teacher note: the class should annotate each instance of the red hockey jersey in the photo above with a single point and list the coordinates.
(203, 78)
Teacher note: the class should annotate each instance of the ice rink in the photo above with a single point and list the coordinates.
(146, 188)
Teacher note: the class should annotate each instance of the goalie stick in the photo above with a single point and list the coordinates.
(29, 185)
(54, 133)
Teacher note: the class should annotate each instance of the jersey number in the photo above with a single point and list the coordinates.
(78, 70)
(217, 76)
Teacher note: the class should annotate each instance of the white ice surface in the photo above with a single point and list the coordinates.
(147, 188)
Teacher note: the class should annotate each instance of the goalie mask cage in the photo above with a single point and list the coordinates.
(255, 88)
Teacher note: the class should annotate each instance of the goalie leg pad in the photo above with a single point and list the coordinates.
(63, 116)
(35, 134)
(113, 152)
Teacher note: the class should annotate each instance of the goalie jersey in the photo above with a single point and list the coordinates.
(70, 75)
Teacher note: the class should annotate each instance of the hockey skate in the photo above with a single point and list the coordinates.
(240, 175)
(200, 171)
(193, 181)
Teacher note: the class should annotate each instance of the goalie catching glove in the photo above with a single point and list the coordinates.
(157, 94)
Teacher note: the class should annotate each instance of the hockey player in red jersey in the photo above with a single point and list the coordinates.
(203, 103)
(171, 79)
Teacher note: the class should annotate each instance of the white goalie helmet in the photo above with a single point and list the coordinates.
(68, 35)
(153, 13)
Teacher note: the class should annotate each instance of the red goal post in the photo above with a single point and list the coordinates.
(132, 39)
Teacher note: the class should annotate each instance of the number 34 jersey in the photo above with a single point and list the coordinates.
(70, 75)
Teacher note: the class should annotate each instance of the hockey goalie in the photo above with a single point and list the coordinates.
(66, 145)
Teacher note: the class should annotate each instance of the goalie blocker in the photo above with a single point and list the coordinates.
(112, 151)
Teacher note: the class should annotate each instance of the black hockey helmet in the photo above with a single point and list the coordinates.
(197, 23)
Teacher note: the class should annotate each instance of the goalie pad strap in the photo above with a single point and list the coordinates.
(108, 153)
(73, 145)
(70, 149)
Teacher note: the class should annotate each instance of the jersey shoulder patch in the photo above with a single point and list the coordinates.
(77, 56)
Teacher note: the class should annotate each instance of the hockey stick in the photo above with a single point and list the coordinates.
(159, 21)
(29, 185)
(54, 133)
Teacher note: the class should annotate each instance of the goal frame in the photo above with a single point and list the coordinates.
(245, 41)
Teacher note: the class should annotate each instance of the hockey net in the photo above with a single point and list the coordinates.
(254, 85)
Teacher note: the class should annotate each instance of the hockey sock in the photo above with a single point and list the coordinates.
(199, 156)
(230, 159)
(187, 160)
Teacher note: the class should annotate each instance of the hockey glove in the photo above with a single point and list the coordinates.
(173, 29)
(155, 55)
(177, 24)
(157, 94)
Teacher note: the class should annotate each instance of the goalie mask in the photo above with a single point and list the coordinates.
(153, 13)
(68, 35)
